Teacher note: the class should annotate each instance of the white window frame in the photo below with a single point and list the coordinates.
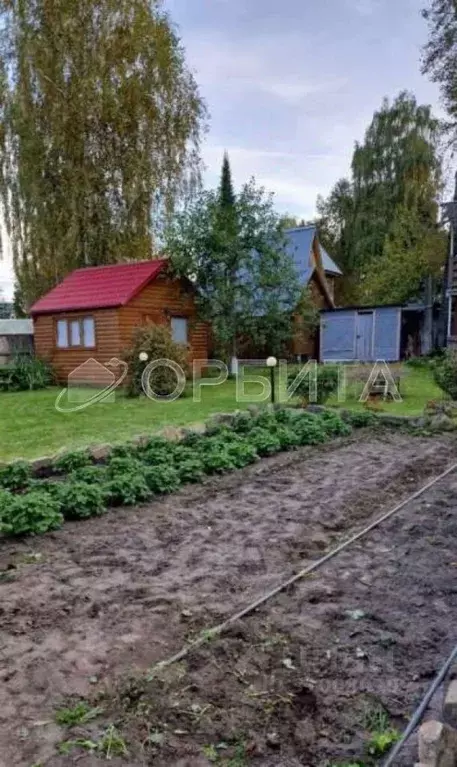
(66, 338)
(180, 319)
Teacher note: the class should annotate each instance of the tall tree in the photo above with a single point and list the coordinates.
(246, 284)
(395, 169)
(440, 52)
(227, 194)
(100, 121)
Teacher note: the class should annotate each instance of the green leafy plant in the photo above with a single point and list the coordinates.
(91, 475)
(445, 373)
(264, 441)
(35, 512)
(334, 425)
(310, 430)
(327, 384)
(79, 500)
(29, 373)
(15, 476)
(162, 479)
(190, 470)
(80, 713)
(72, 461)
(127, 489)
(157, 343)
(359, 419)
(381, 742)
(242, 452)
(215, 456)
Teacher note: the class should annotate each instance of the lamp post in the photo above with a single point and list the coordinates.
(271, 363)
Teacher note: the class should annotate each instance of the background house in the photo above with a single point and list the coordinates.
(16, 339)
(93, 313)
(318, 272)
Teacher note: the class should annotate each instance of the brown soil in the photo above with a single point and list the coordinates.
(95, 605)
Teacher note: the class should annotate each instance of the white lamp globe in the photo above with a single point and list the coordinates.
(272, 362)
(143, 356)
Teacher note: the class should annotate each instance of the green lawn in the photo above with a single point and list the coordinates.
(30, 425)
(416, 388)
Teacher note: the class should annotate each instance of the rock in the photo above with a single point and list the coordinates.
(450, 704)
(100, 452)
(441, 423)
(223, 419)
(273, 740)
(41, 466)
(315, 409)
(437, 744)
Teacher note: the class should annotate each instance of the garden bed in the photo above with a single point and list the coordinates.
(301, 681)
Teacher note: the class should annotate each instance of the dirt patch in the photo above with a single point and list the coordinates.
(291, 685)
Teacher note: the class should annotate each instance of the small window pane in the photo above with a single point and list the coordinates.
(89, 332)
(62, 334)
(179, 330)
(75, 333)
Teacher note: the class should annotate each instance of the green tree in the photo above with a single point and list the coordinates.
(227, 194)
(440, 52)
(246, 284)
(100, 121)
(395, 169)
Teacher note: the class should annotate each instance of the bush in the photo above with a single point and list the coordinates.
(215, 456)
(72, 461)
(242, 452)
(29, 373)
(162, 479)
(310, 430)
(190, 470)
(334, 425)
(327, 384)
(15, 476)
(91, 475)
(79, 500)
(157, 342)
(264, 441)
(35, 512)
(445, 373)
(127, 489)
(358, 419)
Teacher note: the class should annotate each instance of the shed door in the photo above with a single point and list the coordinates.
(364, 335)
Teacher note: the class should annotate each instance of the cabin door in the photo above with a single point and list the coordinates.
(364, 336)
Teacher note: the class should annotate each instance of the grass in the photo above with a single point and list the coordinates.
(31, 427)
(417, 387)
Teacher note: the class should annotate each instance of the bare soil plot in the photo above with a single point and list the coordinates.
(289, 686)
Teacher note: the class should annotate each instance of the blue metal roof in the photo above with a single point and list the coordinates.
(299, 247)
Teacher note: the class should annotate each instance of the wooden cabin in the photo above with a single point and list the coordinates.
(92, 314)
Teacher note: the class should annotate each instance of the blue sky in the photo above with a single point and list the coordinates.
(290, 86)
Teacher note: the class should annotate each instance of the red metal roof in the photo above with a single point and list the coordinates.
(99, 287)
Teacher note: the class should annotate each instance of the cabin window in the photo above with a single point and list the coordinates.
(75, 333)
(179, 330)
(79, 332)
(62, 334)
(89, 332)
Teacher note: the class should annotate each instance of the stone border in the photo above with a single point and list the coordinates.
(438, 740)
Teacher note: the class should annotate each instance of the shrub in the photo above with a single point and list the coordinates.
(15, 476)
(35, 512)
(242, 422)
(72, 461)
(215, 456)
(118, 466)
(327, 384)
(91, 475)
(157, 342)
(190, 470)
(359, 418)
(127, 489)
(242, 453)
(445, 373)
(287, 437)
(29, 373)
(79, 500)
(334, 425)
(162, 479)
(265, 442)
(309, 430)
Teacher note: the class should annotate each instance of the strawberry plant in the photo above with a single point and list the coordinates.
(242, 453)
(264, 441)
(334, 425)
(126, 489)
(15, 476)
(215, 456)
(79, 500)
(162, 479)
(190, 470)
(35, 512)
(91, 475)
(72, 461)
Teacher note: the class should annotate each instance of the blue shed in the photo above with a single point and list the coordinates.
(365, 334)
